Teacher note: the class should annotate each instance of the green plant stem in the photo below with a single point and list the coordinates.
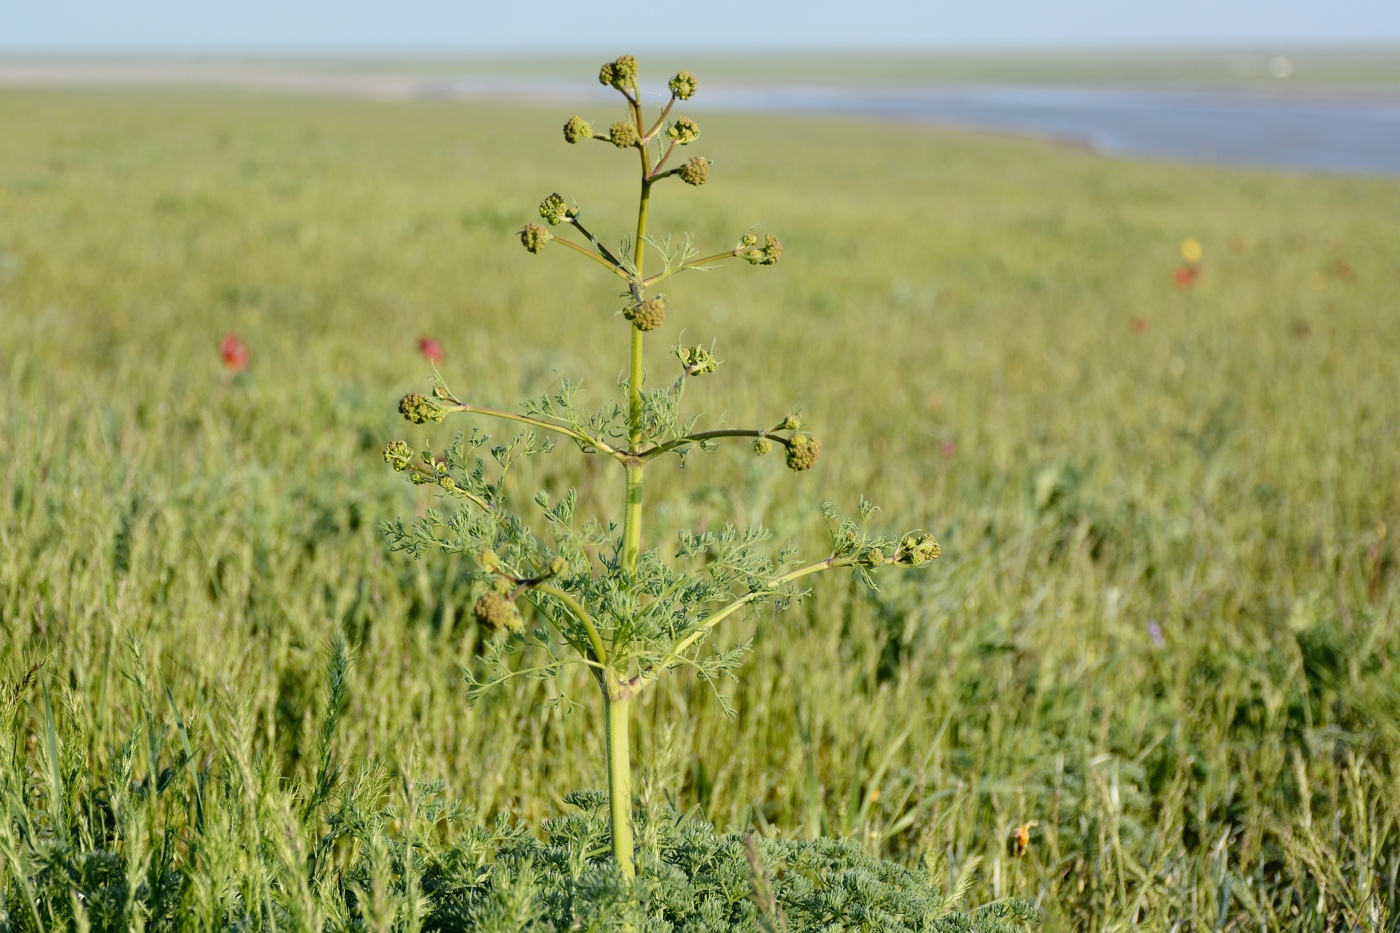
(661, 119)
(616, 270)
(693, 264)
(616, 707)
(536, 422)
(595, 640)
(715, 618)
(710, 435)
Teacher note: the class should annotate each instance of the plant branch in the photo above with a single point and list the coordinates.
(595, 640)
(458, 490)
(612, 266)
(707, 436)
(715, 618)
(694, 263)
(579, 436)
(661, 119)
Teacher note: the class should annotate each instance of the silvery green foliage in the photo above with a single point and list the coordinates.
(691, 879)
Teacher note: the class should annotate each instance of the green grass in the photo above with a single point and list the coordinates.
(955, 315)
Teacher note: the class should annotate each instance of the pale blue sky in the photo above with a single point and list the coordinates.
(465, 26)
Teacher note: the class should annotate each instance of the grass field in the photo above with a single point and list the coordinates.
(1163, 629)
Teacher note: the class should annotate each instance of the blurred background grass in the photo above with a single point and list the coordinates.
(1163, 629)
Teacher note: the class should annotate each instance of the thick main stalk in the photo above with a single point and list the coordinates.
(619, 780)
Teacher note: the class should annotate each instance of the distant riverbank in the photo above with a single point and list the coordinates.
(1321, 130)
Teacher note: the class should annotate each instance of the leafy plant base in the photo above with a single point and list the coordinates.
(691, 879)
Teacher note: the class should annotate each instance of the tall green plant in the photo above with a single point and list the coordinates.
(599, 598)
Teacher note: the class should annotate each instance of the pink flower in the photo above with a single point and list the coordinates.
(234, 352)
(431, 350)
(949, 449)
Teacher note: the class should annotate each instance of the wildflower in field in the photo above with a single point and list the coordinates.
(1191, 251)
(1186, 276)
(1139, 325)
(234, 353)
(431, 350)
(949, 449)
(1154, 631)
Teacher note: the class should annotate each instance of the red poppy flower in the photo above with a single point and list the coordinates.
(1186, 276)
(431, 349)
(234, 352)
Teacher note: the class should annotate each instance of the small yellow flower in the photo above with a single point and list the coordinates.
(1191, 250)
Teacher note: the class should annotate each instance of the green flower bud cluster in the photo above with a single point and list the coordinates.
(619, 73)
(696, 361)
(803, 451)
(683, 85)
(915, 551)
(398, 454)
(496, 611)
(419, 410)
(555, 210)
(790, 423)
(577, 129)
(747, 240)
(684, 131)
(534, 237)
(696, 171)
(871, 558)
(763, 446)
(647, 315)
(623, 134)
(766, 255)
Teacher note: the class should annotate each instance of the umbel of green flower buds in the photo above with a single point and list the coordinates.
(555, 210)
(915, 551)
(623, 134)
(534, 237)
(684, 131)
(398, 454)
(647, 315)
(419, 410)
(576, 129)
(496, 611)
(696, 171)
(763, 446)
(803, 451)
(696, 361)
(766, 255)
(618, 73)
(683, 85)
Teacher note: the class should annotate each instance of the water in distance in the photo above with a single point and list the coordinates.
(1327, 132)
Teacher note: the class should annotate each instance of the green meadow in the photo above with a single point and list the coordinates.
(1161, 641)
